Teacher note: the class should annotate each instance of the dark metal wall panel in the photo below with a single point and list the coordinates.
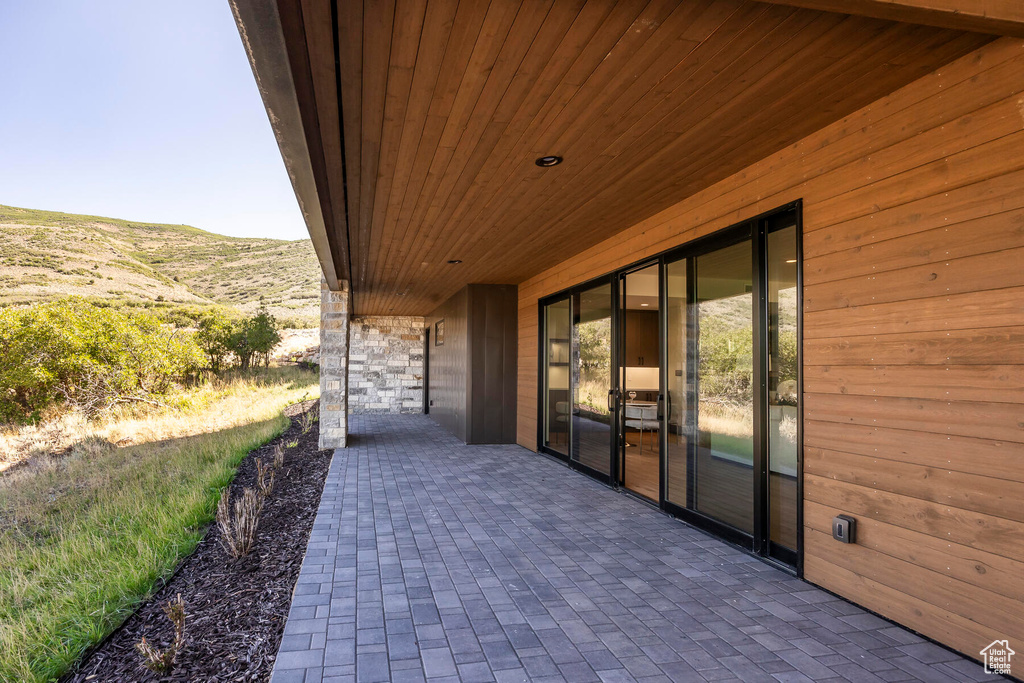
(449, 363)
(472, 377)
(493, 323)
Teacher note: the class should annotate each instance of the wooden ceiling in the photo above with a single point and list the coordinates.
(431, 113)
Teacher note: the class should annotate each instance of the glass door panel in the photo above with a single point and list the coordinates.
(640, 382)
(725, 390)
(557, 358)
(782, 387)
(677, 420)
(592, 378)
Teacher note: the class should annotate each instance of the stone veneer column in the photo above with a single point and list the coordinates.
(334, 310)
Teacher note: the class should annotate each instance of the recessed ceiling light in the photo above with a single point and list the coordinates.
(645, 304)
(548, 161)
(454, 261)
(792, 260)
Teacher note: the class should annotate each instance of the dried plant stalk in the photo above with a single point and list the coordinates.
(162, 661)
(278, 456)
(238, 523)
(264, 479)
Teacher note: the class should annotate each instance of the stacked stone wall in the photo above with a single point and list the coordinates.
(385, 372)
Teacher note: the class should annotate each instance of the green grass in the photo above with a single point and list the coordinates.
(84, 540)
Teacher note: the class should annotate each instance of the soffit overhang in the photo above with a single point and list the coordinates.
(411, 129)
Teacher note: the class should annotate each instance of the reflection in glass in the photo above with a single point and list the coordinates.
(557, 403)
(725, 409)
(782, 387)
(592, 378)
(677, 417)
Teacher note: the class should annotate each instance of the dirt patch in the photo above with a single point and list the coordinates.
(235, 609)
(298, 346)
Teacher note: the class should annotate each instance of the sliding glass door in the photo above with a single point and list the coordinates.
(679, 385)
(641, 398)
(593, 404)
(557, 354)
(678, 379)
(781, 396)
(724, 434)
(578, 393)
(732, 418)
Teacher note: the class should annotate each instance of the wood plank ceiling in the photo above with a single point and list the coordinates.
(445, 105)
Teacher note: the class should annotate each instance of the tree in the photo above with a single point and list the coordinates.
(214, 337)
(253, 339)
(263, 334)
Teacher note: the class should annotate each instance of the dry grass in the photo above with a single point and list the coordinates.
(212, 407)
(593, 393)
(727, 419)
(85, 536)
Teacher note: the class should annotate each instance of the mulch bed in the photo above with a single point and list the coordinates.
(235, 609)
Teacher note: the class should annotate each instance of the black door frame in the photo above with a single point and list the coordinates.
(759, 226)
(426, 370)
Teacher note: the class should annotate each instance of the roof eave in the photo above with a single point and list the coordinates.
(260, 28)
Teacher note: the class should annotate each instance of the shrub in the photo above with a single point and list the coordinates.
(72, 352)
(264, 479)
(309, 418)
(726, 360)
(238, 526)
(162, 661)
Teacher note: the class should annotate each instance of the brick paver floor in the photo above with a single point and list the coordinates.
(434, 560)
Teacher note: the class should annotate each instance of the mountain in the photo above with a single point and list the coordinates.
(46, 254)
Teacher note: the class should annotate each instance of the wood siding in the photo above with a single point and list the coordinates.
(446, 105)
(913, 331)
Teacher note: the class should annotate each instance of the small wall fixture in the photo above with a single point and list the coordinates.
(548, 161)
(844, 529)
(454, 261)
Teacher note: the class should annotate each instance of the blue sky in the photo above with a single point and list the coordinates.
(139, 110)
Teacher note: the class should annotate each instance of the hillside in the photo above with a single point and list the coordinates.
(45, 254)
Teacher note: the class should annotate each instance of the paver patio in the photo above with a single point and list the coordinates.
(434, 560)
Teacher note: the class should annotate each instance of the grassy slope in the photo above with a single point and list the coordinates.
(44, 254)
(83, 539)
